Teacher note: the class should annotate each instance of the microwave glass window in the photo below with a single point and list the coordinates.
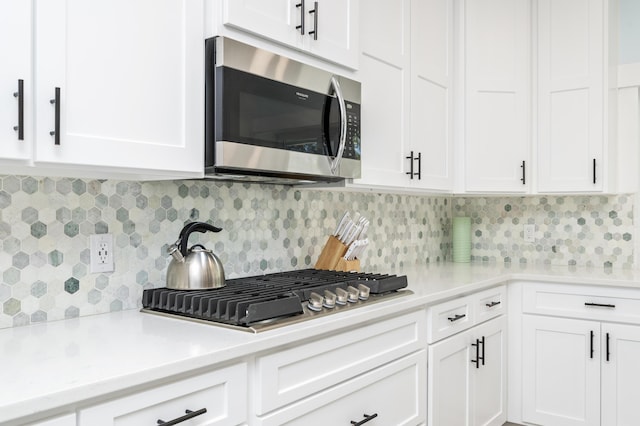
(264, 112)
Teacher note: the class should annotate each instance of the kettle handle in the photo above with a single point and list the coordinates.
(194, 227)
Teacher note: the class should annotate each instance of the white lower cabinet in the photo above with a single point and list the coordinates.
(390, 395)
(467, 377)
(377, 369)
(216, 398)
(582, 370)
(66, 420)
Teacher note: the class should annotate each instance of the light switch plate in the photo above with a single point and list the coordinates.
(101, 247)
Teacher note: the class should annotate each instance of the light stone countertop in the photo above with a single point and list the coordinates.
(49, 366)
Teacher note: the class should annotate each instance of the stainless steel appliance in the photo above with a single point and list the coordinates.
(195, 268)
(274, 300)
(272, 119)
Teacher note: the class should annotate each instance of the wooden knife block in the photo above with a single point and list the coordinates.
(332, 257)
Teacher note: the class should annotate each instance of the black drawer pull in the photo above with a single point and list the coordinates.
(366, 419)
(608, 352)
(456, 317)
(410, 172)
(20, 95)
(492, 304)
(600, 305)
(523, 179)
(56, 133)
(419, 165)
(315, 20)
(190, 414)
(478, 357)
(591, 334)
(301, 26)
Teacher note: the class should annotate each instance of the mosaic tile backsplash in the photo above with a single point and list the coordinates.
(45, 226)
(577, 230)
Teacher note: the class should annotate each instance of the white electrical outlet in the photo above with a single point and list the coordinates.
(529, 233)
(101, 253)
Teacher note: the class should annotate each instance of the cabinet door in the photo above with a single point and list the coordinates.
(571, 95)
(488, 392)
(561, 371)
(130, 76)
(384, 73)
(67, 420)
(336, 25)
(273, 19)
(390, 395)
(497, 115)
(220, 398)
(448, 380)
(15, 21)
(431, 91)
(620, 374)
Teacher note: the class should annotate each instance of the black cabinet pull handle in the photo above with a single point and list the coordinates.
(419, 165)
(594, 170)
(482, 343)
(189, 415)
(456, 317)
(410, 172)
(56, 132)
(301, 26)
(477, 360)
(600, 305)
(20, 95)
(591, 333)
(315, 20)
(367, 418)
(607, 347)
(524, 173)
(492, 304)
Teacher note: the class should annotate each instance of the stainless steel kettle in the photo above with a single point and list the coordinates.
(195, 268)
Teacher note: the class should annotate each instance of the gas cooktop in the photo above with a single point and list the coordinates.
(269, 301)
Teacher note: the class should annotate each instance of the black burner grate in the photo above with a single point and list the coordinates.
(244, 301)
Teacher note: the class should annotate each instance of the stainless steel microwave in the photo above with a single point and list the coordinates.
(272, 119)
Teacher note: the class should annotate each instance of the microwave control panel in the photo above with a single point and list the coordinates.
(352, 146)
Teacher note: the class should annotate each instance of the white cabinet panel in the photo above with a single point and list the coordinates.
(129, 98)
(325, 28)
(394, 394)
(67, 420)
(497, 70)
(571, 89)
(620, 374)
(561, 377)
(222, 393)
(15, 22)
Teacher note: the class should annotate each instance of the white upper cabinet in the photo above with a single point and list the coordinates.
(130, 77)
(432, 92)
(384, 74)
(572, 104)
(406, 75)
(324, 28)
(497, 95)
(15, 49)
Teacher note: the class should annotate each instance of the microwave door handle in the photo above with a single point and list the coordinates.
(335, 162)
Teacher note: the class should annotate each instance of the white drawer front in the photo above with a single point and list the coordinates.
(68, 420)
(222, 392)
(448, 318)
(579, 301)
(291, 374)
(395, 394)
(490, 303)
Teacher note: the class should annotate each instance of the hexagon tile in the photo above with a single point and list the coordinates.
(577, 230)
(45, 226)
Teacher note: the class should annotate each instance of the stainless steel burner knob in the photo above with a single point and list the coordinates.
(354, 294)
(364, 292)
(315, 302)
(343, 295)
(329, 299)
